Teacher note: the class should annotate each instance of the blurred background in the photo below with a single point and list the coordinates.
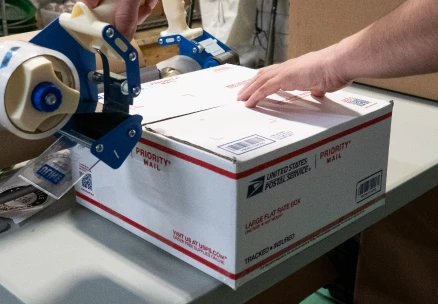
(244, 25)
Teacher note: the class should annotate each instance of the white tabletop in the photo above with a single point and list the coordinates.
(67, 254)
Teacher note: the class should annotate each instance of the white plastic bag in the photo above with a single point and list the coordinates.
(230, 21)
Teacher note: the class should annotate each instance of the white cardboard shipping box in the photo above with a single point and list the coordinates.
(235, 191)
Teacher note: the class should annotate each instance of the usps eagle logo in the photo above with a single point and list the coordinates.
(256, 187)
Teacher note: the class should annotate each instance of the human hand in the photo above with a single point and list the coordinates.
(316, 72)
(129, 14)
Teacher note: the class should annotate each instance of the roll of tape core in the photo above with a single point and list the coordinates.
(25, 67)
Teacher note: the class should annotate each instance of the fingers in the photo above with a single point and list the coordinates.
(242, 91)
(255, 84)
(143, 12)
(319, 94)
(259, 74)
(92, 3)
(270, 87)
(152, 3)
(127, 17)
(130, 13)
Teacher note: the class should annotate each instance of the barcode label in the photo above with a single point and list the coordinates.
(246, 144)
(369, 186)
(356, 101)
(86, 182)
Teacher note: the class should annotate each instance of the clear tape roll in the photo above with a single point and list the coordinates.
(12, 55)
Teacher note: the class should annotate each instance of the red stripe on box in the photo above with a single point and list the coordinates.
(156, 236)
(307, 238)
(268, 164)
(220, 270)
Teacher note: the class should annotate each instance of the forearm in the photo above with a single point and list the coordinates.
(403, 43)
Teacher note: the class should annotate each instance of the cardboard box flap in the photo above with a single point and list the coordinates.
(189, 93)
(167, 101)
(333, 109)
(239, 134)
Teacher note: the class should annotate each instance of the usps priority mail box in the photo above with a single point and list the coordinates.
(235, 191)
